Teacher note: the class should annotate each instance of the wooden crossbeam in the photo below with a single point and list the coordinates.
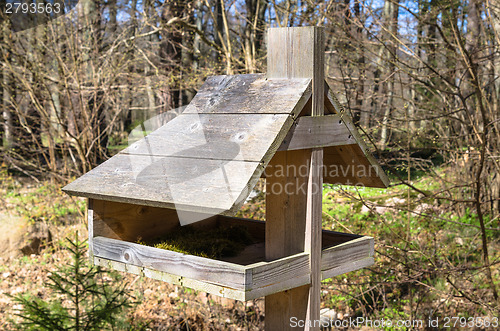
(317, 132)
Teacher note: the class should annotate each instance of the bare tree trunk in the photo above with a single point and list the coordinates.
(254, 27)
(360, 113)
(391, 16)
(8, 124)
(171, 43)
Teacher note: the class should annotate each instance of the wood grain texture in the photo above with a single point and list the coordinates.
(313, 234)
(316, 132)
(244, 281)
(90, 225)
(350, 157)
(260, 278)
(292, 53)
(250, 94)
(352, 250)
(215, 289)
(130, 222)
(315, 186)
(196, 185)
(243, 137)
(286, 210)
(203, 269)
(268, 273)
(210, 157)
(203, 286)
(347, 267)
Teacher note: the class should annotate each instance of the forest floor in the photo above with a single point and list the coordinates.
(424, 263)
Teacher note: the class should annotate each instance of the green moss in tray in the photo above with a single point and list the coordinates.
(212, 243)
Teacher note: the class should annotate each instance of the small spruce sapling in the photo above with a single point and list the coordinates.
(81, 298)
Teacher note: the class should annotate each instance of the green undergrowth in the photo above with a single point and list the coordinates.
(427, 252)
(211, 243)
(39, 202)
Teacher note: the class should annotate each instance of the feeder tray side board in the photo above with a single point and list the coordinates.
(234, 280)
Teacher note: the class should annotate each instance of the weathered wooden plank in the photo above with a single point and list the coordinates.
(252, 93)
(292, 53)
(344, 165)
(204, 286)
(362, 151)
(215, 289)
(90, 222)
(244, 137)
(207, 172)
(130, 222)
(257, 229)
(198, 185)
(203, 269)
(355, 155)
(316, 132)
(285, 285)
(269, 273)
(348, 252)
(347, 267)
(313, 233)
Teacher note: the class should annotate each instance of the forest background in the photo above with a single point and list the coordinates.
(421, 80)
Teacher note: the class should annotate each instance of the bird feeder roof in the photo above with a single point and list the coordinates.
(209, 158)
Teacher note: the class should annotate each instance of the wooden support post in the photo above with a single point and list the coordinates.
(294, 182)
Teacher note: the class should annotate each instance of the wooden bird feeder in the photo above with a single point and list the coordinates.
(200, 167)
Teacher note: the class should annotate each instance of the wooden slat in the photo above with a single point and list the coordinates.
(347, 267)
(253, 280)
(269, 273)
(90, 222)
(347, 165)
(215, 289)
(315, 186)
(316, 132)
(292, 53)
(352, 155)
(203, 269)
(347, 252)
(244, 137)
(250, 94)
(286, 210)
(198, 185)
